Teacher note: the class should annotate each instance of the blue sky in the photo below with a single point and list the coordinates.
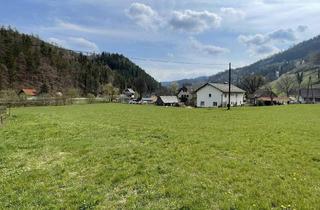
(191, 31)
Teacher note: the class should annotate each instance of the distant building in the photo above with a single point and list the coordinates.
(311, 95)
(28, 93)
(184, 95)
(167, 101)
(264, 97)
(129, 92)
(216, 95)
(150, 100)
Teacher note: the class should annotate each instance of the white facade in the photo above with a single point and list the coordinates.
(209, 96)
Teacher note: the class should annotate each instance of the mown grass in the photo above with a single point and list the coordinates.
(111, 156)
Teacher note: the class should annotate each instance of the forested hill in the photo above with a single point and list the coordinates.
(28, 62)
(307, 52)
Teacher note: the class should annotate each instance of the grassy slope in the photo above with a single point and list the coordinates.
(120, 156)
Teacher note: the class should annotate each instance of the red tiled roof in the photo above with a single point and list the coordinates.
(29, 92)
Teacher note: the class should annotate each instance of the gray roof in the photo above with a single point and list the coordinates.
(129, 90)
(223, 88)
(312, 93)
(169, 99)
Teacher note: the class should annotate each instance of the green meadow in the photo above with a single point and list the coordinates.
(112, 156)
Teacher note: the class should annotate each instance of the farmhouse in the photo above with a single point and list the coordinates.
(216, 95)
(129, 92)
(28, 93)
(184, 95)
(167, 101)
(263, 97)
(311, 95)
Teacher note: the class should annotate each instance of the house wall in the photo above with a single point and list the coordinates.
(217, 96)
(203, 96)
(236, 99)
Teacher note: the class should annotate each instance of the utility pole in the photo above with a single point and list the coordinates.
(229, 98)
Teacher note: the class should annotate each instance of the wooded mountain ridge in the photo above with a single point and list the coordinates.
(306, 53)
(28, 62)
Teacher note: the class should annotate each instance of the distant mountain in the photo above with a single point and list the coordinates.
(188, 82)
(306, 54)
(28, 62)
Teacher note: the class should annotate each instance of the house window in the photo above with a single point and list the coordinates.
(225, 95)
(202, 103)
(215, 104)
(210, 95)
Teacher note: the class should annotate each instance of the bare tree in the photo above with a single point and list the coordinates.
(299, 77)
(252, 83)
(285, 85)
(174, 88)
(269, 92)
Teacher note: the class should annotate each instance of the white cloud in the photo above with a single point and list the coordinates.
(302, 28)
(194, 21)
(264, 44)
(207, 49)
(75, 43)
(144, 16)
(232, 14)
(83, 44)
(283, 35)
(57, 42)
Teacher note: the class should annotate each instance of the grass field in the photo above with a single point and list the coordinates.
(111, 156)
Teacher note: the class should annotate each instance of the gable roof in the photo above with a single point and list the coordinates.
(129, 90)
(169, 99)
(223, 88)
(184, 89)
(312, 93)
(29, 91)
(263, 93)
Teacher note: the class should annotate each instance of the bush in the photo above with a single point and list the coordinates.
(8, 95)
(91, 98)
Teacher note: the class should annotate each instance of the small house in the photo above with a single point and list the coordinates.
(28, 93)
(184, 95)
(129, 92)
(167, 101)
(311, 95)
(263, 97)
(147, 100)
(217, 95)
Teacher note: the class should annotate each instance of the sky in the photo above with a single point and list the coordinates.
(170, 39)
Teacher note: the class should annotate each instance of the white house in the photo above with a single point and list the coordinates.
(184, 95)
(216, 95)
(129, 92)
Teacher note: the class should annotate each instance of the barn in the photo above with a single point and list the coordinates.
(167, 101)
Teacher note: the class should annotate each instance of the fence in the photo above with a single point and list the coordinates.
(3, 114)
(51, 102)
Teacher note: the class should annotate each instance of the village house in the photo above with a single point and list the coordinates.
(148, 100)
(216, 95)
(167, 101)
(28, 93)
(311, 95)
(184, 95)
(130, 93)
(264, 97)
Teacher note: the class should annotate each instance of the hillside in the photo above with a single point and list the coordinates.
(27, 61)
(306, 54)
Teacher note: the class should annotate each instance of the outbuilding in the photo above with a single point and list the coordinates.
(167, 101)
(216, 95)
(28, 93)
